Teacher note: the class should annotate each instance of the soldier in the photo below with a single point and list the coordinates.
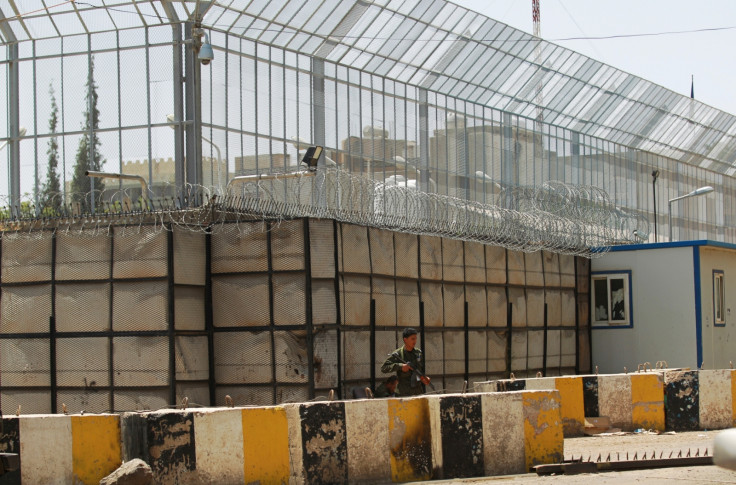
(407, 362)
(387, 388)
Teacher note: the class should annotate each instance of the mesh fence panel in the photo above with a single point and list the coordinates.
(240, 300)
(475, 262)
(553, 348)
(29, 401)
(384, 293)
(567, 270)
(407, 304)
(583, 275)
(386, 342)
(140, 400)
(454, 352)
(567, 348)
(453, 268)
(355, 253)
(477, 352)
(290, 349)
(25, 309)
(325, 359)
(567, 308)
(81, 401)
(535, 350)
(289, 394)
(324, 306)
(431, 296)
(238, 248)
(192, 363)
(382, 251)
(357, 300)
(356, 358)
(140, 255)
(140, 306)
(534, 307)
(551, 268)
(243, 357)
(197, 394)
(289, 299)
(495, 264)
(517, 299)
(82, 258)
(497, 350)
(287, 246)
(430, 253)
(477, 305)
(497, 306)
(534, 269)
(515, 268)
(83, 307)
(26, 259)
(189, 308)
(454, 305)
(140, 361)
(25, 362)
(434, 352)
(83, 362)
(552, 298)
(190, 257)
(518, 351)
(322, 248)
(407, 254)
(245, 396)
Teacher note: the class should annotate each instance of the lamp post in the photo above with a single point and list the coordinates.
(694, 193)
(655, 175)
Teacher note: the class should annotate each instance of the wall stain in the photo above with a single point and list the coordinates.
(171, 446)
(461, 425)
(324, 443)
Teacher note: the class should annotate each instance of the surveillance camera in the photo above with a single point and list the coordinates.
(206, 54)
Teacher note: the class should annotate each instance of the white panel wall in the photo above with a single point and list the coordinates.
(663, 309)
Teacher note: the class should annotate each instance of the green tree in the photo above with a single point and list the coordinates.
(80, 185)
(50, 198)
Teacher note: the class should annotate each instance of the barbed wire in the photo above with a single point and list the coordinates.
(558, 217)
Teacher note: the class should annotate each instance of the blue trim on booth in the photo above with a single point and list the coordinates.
(676, 244)
(698, 305)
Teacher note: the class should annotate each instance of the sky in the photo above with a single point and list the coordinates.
(670, 60)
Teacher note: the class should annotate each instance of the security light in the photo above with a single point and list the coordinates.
(311, 157)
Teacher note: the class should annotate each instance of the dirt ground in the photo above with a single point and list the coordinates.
(618, 446)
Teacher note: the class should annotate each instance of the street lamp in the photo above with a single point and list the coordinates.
(172, 125)
(694, 193)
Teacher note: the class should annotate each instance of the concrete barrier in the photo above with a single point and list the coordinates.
(362, 441)
(572, 406)
(60, 449)
(682, 394)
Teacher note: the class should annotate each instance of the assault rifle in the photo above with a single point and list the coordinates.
(415, 372)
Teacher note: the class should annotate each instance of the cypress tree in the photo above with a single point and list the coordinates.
(50, 197)
(80, 185)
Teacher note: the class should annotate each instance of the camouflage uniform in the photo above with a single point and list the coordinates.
(409, 383)
(381, 391)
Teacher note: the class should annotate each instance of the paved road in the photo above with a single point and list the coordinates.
(620, 444)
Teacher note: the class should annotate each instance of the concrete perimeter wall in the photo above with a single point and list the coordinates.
(362, 441)
(669, 399)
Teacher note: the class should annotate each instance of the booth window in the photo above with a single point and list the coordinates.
(611, 295)
(719, 295)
